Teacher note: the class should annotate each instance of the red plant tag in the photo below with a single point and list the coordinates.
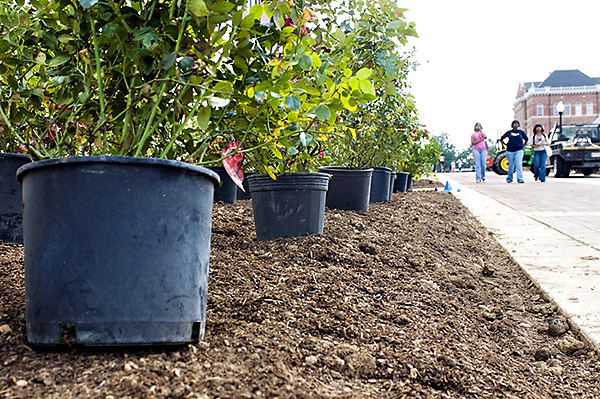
(234, 164)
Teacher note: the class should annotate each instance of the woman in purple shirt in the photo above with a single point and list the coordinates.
(479, 152)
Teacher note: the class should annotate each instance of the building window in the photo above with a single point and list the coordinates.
(540, 110)
(554, 111)
(589, 108)
(578, 110)
(567, 109)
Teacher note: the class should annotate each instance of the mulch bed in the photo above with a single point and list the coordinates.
(411, 299)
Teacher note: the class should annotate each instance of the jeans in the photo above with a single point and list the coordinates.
(515, 162)
(539, 164)
(480, 158)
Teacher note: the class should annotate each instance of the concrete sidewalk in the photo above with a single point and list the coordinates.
(567, 270)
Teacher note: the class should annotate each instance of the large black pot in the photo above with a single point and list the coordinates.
(11, 214)
(116, 250)
(227, 190)
(291, 206)
(409, 183)
(349, 189)
(380, 184)
(401, 181)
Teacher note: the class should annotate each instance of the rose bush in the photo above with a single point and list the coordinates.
(184, 80)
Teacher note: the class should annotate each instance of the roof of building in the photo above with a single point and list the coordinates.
(566, 78)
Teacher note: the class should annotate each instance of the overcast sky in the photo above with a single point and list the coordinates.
(474, 54)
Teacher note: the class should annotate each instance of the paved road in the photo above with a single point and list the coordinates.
(551, 229)
(571, 205)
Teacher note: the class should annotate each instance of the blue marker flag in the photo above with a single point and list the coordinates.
(447, 187)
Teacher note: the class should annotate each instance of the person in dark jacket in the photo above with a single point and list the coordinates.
(514, 140)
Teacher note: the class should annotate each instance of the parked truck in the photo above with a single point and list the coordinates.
(574, 148)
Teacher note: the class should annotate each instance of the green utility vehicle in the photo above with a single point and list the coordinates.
(500, 163)
(574, 148)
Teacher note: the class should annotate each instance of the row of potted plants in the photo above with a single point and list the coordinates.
(122, 103)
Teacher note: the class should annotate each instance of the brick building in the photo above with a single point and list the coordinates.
(536, 101)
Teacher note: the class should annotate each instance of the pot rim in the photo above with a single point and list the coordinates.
(121, 160)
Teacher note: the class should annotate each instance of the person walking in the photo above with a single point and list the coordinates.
(478, 141)
(539, 144)
(514, 151)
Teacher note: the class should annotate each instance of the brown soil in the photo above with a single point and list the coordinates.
(411, 299)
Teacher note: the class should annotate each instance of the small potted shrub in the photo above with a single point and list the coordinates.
(419, 155)
(113, 98)
(11, 214)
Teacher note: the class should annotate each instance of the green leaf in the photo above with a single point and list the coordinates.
(364, 73)
(65, 38)
(292, 151)
(197, 7)
(168, 61)
(395, 25)
(58, 60)
(367, 87)
(222, 7)
(241, 63)
(305, 62)
(204, 118)
(247, 22)
(276, 152)
(87, 3)
(186, 62)
(323, 112)
(321, 78)
(293, 103)
(277, 18)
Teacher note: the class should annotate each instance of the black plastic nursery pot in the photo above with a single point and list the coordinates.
(292, 205)
(349, 189)
(380, 184)
(409, 183)
(116, 250)
(392, 182)
(11, 214)
(401, 181)
(227, 190)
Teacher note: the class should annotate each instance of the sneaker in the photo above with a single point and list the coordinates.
(477, 181)
(509, 181)
(520, 181)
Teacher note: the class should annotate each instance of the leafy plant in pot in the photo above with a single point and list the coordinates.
(284, 113)
(110, 96)
(367, 137)
(11, 159)
(419, 155)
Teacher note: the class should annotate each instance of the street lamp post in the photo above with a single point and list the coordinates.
(560, 107)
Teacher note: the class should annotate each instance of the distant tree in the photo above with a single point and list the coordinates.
(447, 147)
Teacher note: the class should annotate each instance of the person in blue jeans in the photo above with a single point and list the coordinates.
(539, 144)
(515, 140)
(478, 141)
